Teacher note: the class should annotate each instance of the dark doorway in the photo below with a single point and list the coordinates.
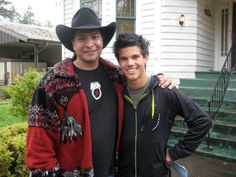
(234, 38)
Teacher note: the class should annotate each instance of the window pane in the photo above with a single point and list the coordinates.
(224, 31)
(125, 8)
(125, 25)
(96, 5)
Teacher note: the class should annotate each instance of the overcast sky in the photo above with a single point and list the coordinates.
(44, 10)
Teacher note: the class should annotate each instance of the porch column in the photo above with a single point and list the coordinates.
(36, 56)
(6, 75)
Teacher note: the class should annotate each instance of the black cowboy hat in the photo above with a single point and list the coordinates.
(84, 18)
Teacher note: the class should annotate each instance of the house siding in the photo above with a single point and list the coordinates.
(109, 16)
(148, 24)
(6, 38)
(175, 50)
(205, 38)
(190, 48)
(178, 44)
(69, 8)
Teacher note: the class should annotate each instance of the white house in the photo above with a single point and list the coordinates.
(199, 43)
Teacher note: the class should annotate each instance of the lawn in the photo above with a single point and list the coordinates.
(6, 115)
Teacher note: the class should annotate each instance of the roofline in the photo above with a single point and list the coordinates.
(43, 42)
(14, 34)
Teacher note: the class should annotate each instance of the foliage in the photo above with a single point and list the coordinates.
(3, 93)
(12, 150)
(27, 17)
(6, 115)
(7, 10)
(21, 91)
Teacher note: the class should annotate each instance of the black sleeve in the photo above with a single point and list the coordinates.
(197, 120)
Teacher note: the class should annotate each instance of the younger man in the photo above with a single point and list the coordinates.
(150, 114)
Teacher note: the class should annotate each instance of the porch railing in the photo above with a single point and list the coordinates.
(221, 85)
(217, 97)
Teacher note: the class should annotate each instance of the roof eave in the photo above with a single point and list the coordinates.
(43, 42)
(14, 34)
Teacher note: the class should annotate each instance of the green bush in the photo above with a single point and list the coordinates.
(21, 91)
(6, 116)
(12, 151)
(3, 93)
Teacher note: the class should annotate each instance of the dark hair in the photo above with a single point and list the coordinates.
(128, 40)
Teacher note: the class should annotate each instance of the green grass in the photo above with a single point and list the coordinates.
(6, 115)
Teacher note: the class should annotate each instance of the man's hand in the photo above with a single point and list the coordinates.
(166, 81)
(169, 161)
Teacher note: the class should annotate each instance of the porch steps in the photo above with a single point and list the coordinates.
(222, 140)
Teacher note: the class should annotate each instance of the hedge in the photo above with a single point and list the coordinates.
(12, 151)
(21, 91)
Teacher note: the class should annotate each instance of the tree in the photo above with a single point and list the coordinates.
(48, 24)
(27, 17)
(8, 11)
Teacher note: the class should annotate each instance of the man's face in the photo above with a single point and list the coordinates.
(88, 45)
(132, 64)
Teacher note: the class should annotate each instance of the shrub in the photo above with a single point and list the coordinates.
(6, 116)
(3, 93)
(12, 150)
(21, 91)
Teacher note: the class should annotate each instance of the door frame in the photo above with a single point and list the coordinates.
(222, 4)
(233, 63)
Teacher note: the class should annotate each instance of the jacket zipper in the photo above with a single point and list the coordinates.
(136, 130)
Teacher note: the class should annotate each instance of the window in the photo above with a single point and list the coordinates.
(224, 31)
(96, 5)
(125, 16)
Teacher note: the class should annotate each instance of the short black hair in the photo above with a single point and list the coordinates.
(128, 40)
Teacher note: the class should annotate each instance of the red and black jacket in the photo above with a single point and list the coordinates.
(59, 136)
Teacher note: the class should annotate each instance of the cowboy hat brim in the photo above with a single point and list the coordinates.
(66, 34)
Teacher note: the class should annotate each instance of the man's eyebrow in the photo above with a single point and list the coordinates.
(122, 57)
(96, 32)
(135, 55)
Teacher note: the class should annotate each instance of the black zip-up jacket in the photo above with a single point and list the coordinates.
(146, 131)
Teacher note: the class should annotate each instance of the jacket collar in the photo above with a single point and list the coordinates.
(66, 68)
(154, 82)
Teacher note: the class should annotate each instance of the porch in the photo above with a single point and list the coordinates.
(26, 46)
